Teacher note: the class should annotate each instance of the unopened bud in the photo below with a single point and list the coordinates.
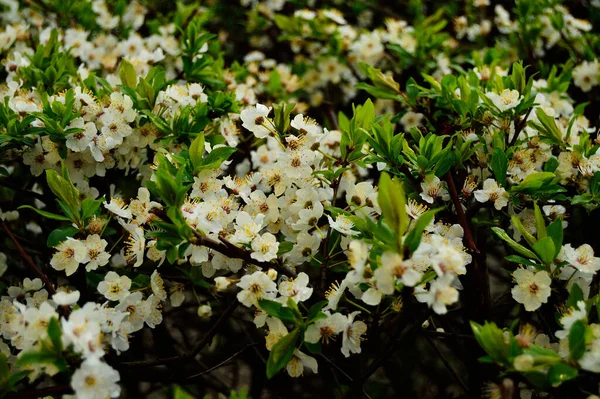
(204, 311)
(523, 362)
(272, 273)
(222, 283)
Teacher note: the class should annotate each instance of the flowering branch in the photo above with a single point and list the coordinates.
(231, 250)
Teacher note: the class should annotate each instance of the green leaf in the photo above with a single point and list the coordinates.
(577, 340)
(89, 207)
(522, 261)
(531, 240)
(314, 313)
(127, 74)
(196, 150)
(282, 352)
(392, 201)
(491, 339)
(540, 224)
(55, 334)
(575, 296)
(413, 238)
(555, 232)
(513, 244)
(545, 250)
(180, 393)
(561, 372)
(63, 189)
(275, 309)
(59, 235)
(45, 214)
(499, 166)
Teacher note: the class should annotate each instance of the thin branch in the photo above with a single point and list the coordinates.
(224, 362)
(446, 364)
(231, 250)
(195, 350)
(42, 392)
(462, 218)
(28, 260)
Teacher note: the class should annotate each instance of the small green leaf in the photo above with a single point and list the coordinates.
(540, 224)
(499, 166)
(59, 235)
(545, 250)
(275, 309)
(392, 201)
(561, 372)
(577, 340)
(413, 238)
(127, 74)
(55, 334)
(282, 352)
(45, 214)
(513, 244)
(575, 296)
(196, 150)
(89, 207)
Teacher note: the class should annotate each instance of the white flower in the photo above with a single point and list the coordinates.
(411, 119)
(433, 188)
(66, 298)
(256, 120)
(506, 100)
(352, 335)
(114, 287)
(343, 224)
(118, 207)
(247, 227)
(581, 258)
(135, 246)
(295, 367)
(265, 247)
(392, 265)
(568, 319)
(157, 285)
(326, 329)
(95, 380)
(492, 192)
(177, 295)
(297, 288)
(95, 247)
(532, 289)
(71, 253)
(441, 294)
(254, 287)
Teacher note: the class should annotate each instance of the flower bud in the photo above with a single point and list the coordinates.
(222, 283)
(204, 311)
(523, 362)
(272, 273)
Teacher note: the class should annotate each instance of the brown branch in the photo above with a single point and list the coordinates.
(231, 250)
(462, 218)
(224, 362)
(519, 127)
(192, 353)
(28, 260)
(447, 364)
(42, 392)
(480, 302)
